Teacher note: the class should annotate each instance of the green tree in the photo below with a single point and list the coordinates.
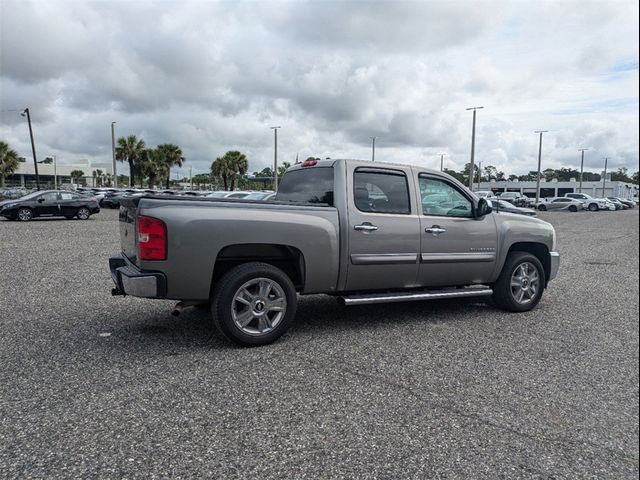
(130, 149)
(622, 175)
(238, 165)
(283, 168)
(97, 177)
(634, 178)
(151, 166)
(9, 161)
(171, 156)
(76, 175)
(221, 170)
(457, 175)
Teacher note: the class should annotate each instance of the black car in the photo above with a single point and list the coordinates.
(49, 203)
(112, 199)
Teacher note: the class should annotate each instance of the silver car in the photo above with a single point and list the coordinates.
(561, 203)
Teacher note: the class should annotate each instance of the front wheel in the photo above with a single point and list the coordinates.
(542, 208)
(593, 207)
(520, 284)
(254, 304)
(573, 208)
(25, 214)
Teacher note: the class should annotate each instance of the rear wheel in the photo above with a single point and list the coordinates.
(83, 213)
(542, 208)
(254, 304)
(573, 208)
(593, 207)
(25, 214)
(520, 284)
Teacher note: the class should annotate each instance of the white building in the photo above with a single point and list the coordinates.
(25, 175)
(556, 188)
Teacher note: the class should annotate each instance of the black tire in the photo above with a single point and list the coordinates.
(25, 214)
(503, 292)
(224, 304)
(573, 208)
(593, 207)
(83, 213)
(542, 208)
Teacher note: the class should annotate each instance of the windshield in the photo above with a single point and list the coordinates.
(307, 185)
(30, 195)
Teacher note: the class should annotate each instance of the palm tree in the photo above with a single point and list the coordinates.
(130, 149)
(237, 164)
(97, 177)
(152, 166)
(172, 157)
(220, 169)
(76, 175)
(9, 161)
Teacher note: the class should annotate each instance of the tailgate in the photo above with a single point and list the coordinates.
(128, 215)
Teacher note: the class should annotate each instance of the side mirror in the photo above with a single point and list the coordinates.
(40, 200)
(483, 208)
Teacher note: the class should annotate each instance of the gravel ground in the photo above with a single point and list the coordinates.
(99, 387)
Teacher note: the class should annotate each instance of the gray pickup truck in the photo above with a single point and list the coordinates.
(363, 232)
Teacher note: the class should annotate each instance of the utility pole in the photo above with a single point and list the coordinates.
(26, 113)
(55, 173)
(373, 149)
(191, 176)
(581, 167)
(275, 158)
(442, 162)
(539, 164)
(479, 174)
(113, 155)
(473, 146)
(604, 177)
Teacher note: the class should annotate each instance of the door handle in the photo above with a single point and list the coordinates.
(435, 230)
(365, 227)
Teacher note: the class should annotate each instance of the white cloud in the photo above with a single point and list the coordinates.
(213, 76)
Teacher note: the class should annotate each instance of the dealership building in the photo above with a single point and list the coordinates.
(556, 188)
(25, 175)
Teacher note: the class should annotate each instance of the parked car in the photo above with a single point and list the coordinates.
(590, 203)
(258, 195)
(50, 203)
(228, 194)
(617, 203)
(515, 198)
(485, 194)
(624, 204)
(327, 233)
(504, 206)
(561, 203)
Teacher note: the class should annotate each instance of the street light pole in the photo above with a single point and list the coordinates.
(442, 162)
(191, 176)
(479, 174)
(275, 158)
(581, 166)
(26, 113)
(539, 164)
(373, 149)
(113, 155)
(55, 172)
(473, 146)
(604, 177)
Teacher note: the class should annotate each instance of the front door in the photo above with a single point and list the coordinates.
(384, 229)
(47, 204)
(456, 248)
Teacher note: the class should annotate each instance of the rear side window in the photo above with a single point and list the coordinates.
(307, 185)
(381, 192)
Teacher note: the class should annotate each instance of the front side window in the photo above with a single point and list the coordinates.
(378, 191)
(441, 198)
(50, 197)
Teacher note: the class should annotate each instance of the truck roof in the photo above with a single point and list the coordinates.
(330, 162)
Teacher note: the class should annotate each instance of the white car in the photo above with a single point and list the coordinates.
(485, 194)
(590, 203)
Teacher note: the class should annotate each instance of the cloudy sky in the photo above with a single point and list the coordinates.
(214, 76)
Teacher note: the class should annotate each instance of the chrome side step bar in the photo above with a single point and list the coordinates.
(412, 296)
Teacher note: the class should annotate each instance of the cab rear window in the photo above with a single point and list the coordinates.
(307, 185)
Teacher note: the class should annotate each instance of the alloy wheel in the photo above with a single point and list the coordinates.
(525, 283)
(258, 306)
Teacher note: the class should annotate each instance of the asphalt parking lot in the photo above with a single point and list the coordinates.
(100, 387)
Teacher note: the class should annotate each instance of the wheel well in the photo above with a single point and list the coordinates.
(539, 250)
(288, 259)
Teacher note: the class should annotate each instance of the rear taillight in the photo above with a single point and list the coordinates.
(152, 238)
(309, 163)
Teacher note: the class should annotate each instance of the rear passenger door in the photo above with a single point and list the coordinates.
(384, 229)
(69, 203)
